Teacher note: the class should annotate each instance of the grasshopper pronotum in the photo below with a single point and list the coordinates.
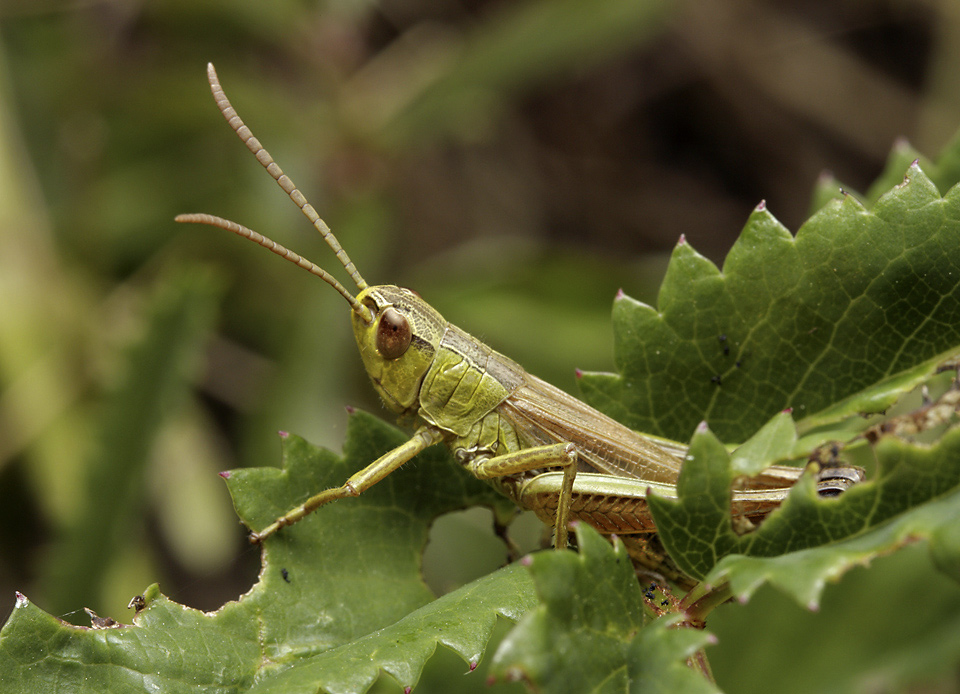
(546, 450)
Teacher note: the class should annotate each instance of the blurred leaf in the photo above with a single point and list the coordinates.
(892, 624)
(157, 372)
(457, 86)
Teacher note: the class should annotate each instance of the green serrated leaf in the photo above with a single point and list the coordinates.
(170, 649)
(346, 578)
(826, 190)
(877, 397)
(901, 156)
(776, 440)
(814, 540)
(589, 633)
(461, 620)
(803, 574)
(858, 297)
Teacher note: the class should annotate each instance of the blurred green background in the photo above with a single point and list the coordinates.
(515, 162)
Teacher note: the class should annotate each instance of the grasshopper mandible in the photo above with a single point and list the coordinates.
(546, 450)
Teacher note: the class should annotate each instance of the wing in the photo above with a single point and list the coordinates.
(545, 414)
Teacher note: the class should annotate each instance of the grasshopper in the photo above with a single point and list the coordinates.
(544, 449)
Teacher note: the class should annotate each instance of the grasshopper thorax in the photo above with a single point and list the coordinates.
(398, 344)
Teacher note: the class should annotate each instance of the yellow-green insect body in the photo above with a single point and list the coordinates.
(466, 381)
(548, 451)
(422, 365)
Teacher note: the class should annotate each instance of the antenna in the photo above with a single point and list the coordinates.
(263, 156)
(273, 246)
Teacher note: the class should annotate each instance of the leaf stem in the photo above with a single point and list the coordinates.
(702, 599)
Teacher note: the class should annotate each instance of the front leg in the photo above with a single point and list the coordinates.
(559, 455)
(358, 482)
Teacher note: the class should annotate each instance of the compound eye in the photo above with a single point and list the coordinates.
(393, 334)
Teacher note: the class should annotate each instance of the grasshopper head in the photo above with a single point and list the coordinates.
(398, 343)
(397, 332)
